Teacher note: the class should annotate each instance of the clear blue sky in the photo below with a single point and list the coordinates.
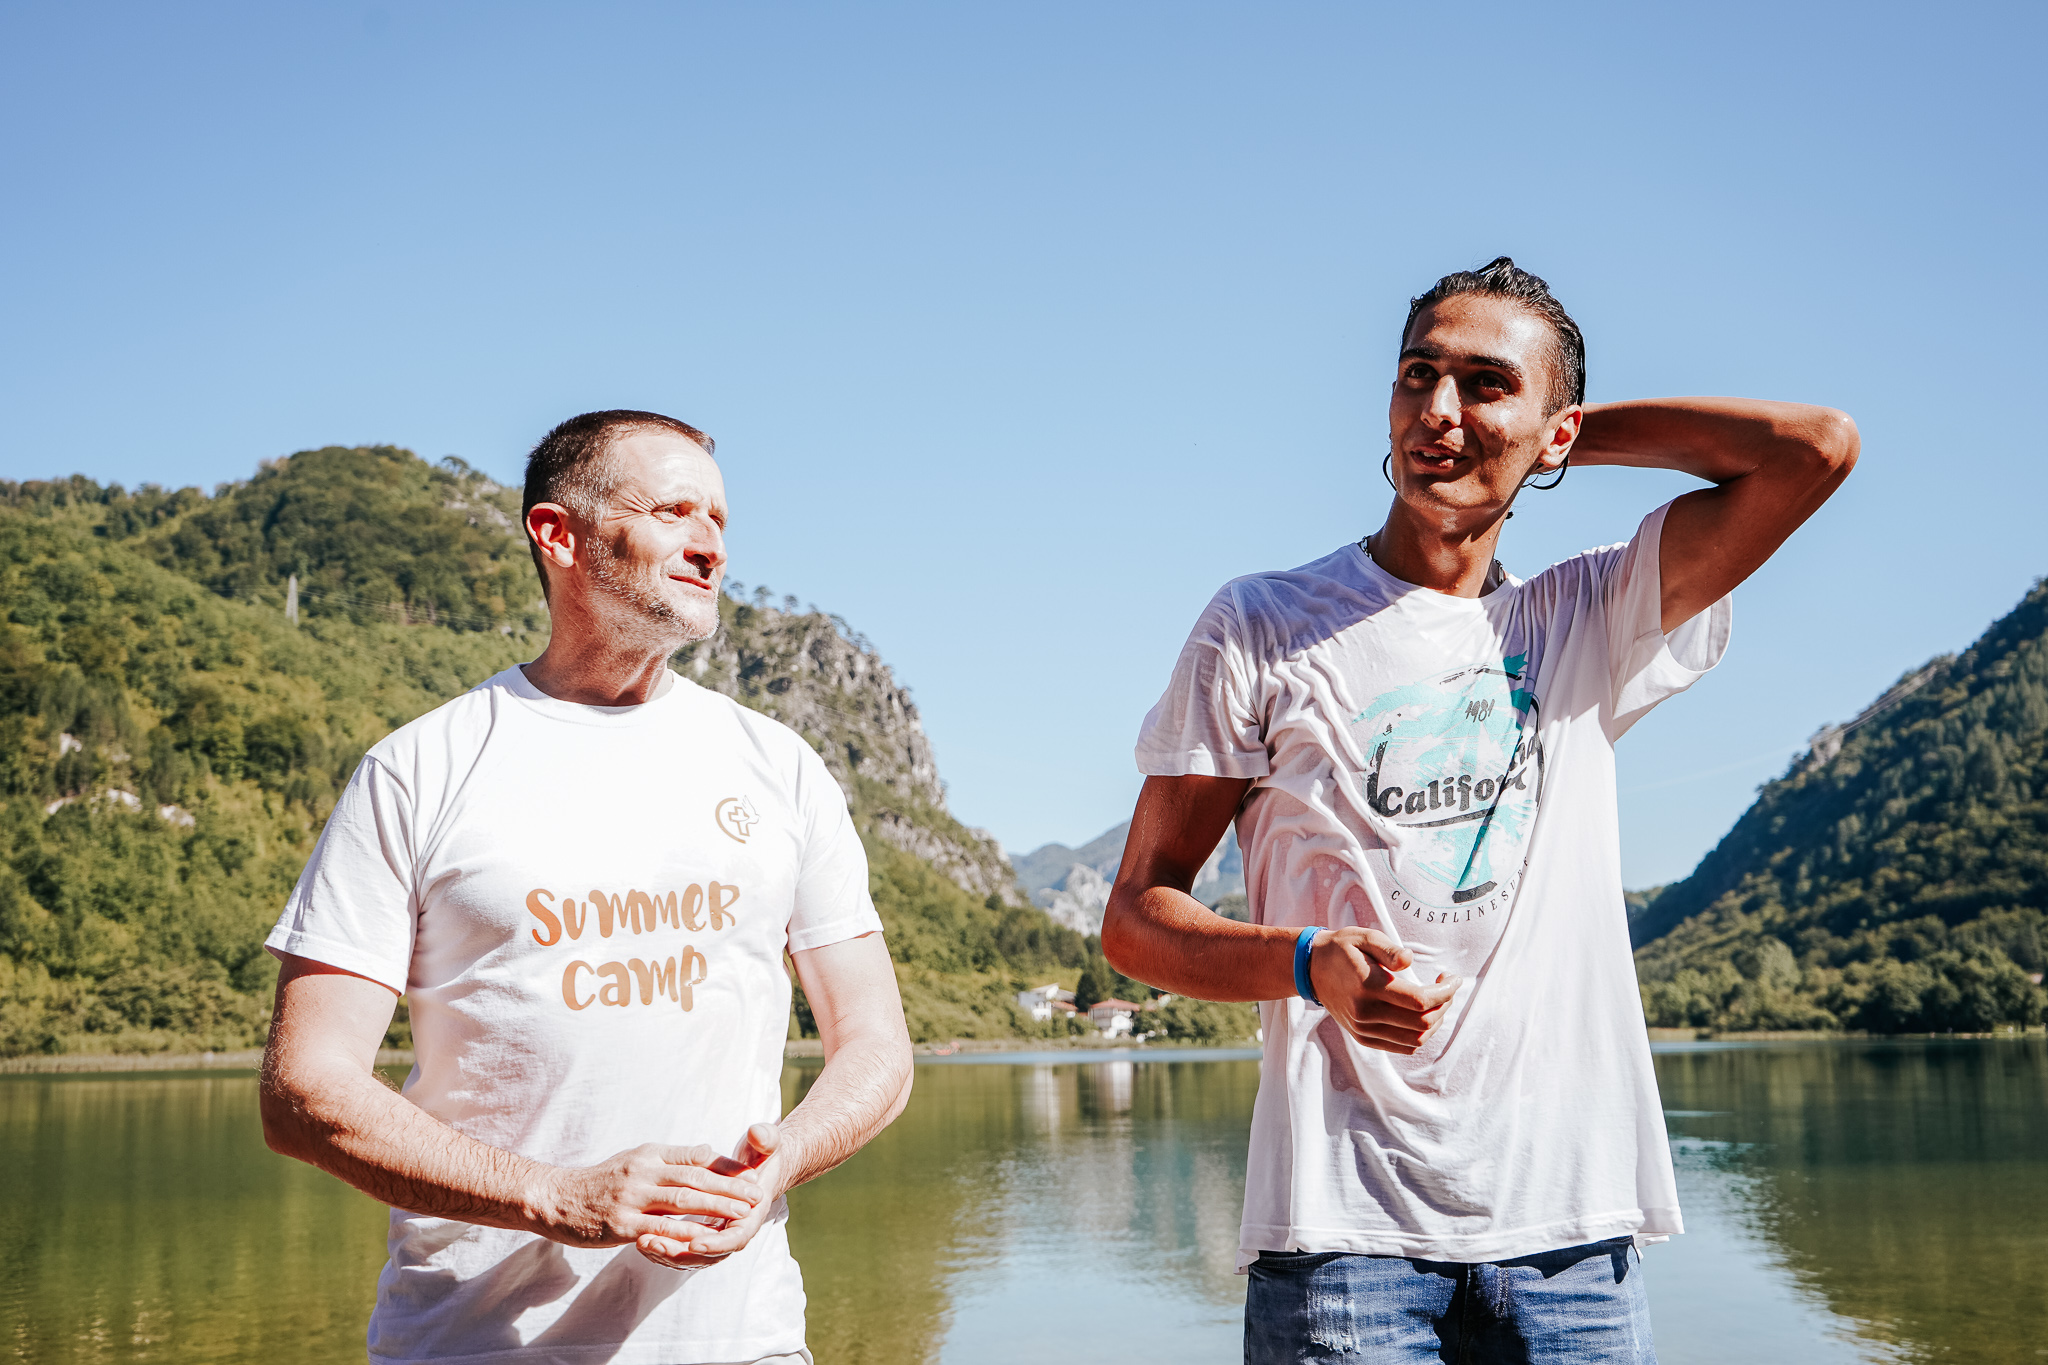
(1023, 327)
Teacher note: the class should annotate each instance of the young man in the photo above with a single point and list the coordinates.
(1457, 1141)
(584, 874)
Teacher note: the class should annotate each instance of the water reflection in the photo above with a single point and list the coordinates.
(1901, 1184)
(142, 1218)
(1847, 1202)
(1046, 1206)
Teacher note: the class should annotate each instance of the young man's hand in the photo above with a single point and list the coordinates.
(1353, 970)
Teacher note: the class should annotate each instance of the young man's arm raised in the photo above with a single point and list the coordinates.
(1772, 464)
(1155, 932)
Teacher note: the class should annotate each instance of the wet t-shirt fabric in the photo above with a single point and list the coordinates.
(1442, 769)
(587, 909)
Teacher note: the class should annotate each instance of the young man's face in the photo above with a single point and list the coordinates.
(1467, 417)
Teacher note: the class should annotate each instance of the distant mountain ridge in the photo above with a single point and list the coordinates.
(1073, 884)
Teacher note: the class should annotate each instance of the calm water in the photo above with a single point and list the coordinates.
(1849, 1202)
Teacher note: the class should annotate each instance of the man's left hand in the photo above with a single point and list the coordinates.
(701, 1244)
(866, 1082)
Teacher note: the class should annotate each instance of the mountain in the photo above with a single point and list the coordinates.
(1894, 879)
(812, 673)
(1046, 866)
(1072, 884)
(170, 742)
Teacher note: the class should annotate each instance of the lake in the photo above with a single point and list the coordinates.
(1848, 1201)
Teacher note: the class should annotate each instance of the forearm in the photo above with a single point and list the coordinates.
(864, 1086)
(339, 1117)
(1167, 938)
(1716, 439)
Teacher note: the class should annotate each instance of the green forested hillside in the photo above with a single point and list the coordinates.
(166, 756)
(169, 743)
(1895, 879)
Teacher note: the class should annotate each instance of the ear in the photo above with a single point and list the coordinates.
(1563, 431)
(550, 526)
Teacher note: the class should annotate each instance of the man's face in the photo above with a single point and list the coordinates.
(1466, 418)
(652, 563)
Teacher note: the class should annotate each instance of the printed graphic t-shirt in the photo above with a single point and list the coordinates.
(1442, 769)
(587, 908)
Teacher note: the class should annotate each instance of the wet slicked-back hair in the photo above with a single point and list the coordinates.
(571, 465)
(1501, 278)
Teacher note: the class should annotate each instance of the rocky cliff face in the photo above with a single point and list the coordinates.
(815, 675)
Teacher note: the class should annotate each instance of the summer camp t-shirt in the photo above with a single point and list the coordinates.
(587, 908)
(1442, 769)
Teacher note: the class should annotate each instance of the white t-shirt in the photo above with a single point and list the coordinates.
(1442, 769)
(588, 908)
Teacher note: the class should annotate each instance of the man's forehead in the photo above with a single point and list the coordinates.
(1478, 327)
(665, 465)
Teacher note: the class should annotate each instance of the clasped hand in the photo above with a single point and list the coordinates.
(681, 1206)
(1353, 969)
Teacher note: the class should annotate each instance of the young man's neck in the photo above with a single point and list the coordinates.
(1455, 561)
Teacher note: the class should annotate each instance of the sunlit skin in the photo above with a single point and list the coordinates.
(1468, 425)
(629, 583)
(635, 583)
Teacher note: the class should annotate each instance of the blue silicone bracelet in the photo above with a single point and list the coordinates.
(1305, 987)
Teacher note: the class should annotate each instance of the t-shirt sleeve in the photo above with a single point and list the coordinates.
(1649, 665)
(353, 907)
(1208, 723)
(832, 900)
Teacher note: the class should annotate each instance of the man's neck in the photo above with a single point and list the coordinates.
(592, 663)
(1455, 561)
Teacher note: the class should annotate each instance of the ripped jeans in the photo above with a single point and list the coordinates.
(1582, 1304)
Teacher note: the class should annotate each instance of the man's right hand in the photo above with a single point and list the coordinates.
(644, 1191)
(1154, 931)
(1353, 970)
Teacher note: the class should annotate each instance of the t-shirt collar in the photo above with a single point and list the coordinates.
(1402, 588)
(515, 681)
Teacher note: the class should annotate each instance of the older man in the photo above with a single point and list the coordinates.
(585, 873)
(1457, 1141)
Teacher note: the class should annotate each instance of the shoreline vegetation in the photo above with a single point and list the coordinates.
(809, 1049)
(802, 1049)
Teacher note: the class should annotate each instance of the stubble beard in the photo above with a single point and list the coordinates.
(639, 610)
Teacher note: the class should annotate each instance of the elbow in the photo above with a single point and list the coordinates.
(1834, 443)
(278, 1129)
(899, 1074)
(904, 1084)
(281, 1105)
(1117, 934)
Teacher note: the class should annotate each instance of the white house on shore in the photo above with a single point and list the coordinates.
(1116, 1018)
(1043, 1002)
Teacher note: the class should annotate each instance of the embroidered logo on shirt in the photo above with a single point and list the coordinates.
(1453, 779)
(736, 818)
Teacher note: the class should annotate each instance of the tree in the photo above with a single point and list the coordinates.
(1098, 983)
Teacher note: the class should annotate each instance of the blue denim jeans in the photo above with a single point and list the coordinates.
(1583, 1304)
